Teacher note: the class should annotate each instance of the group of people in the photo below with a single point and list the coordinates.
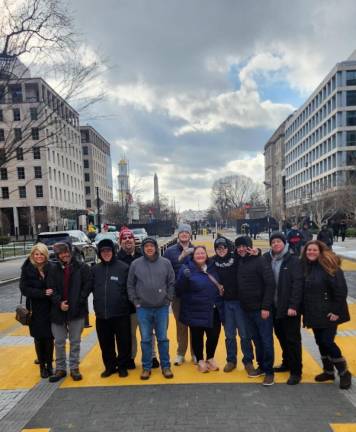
(238, 289)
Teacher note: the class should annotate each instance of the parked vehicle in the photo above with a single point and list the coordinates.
(140, 234)
(83, 247)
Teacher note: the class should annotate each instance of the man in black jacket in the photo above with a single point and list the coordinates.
(288, 276)
(256, 288)
(71, 284)
(112, 309)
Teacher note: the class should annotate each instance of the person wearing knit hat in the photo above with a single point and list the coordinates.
(288, 275)
(243, 240)
(178, 255)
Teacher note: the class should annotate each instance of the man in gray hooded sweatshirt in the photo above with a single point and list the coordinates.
(150, 288)
(288, 275)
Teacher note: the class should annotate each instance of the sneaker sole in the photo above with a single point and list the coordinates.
(255, 376)
(268, 384)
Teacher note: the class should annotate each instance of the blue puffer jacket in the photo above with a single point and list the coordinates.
(199, 295)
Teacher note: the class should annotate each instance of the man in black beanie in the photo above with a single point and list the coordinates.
(255, 292)
(288, 276)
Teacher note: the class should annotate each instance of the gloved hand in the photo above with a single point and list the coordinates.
(187, 272)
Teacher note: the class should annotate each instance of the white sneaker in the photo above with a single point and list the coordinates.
(179, 360)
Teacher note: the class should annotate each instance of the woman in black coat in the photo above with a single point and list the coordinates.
(33, 285)
(325, 306)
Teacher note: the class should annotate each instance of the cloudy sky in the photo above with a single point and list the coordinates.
(195, 88)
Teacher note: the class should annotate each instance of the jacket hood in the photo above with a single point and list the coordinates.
(106, 243)
(63, 246)
(154, 242)
(225, 242)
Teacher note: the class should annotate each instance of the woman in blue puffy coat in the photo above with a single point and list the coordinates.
(200, 291)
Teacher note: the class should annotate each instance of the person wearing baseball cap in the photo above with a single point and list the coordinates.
(288, 275)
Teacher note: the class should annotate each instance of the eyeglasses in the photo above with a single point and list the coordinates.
(126, 237)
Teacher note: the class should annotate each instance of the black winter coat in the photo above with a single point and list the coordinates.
(324, 294)
(290, 284)
(33, 287)
(109, 287)
(79, 290)
(226, 269)
(326, 236)
(255, 283)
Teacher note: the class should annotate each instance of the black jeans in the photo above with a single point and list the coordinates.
(287, 330)
(44, 350)
(325, 339)
(212, 338)
(117, 329)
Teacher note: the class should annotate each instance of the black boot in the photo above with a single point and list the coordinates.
(44, 371)
(345, 376)
(41, 356)
(49, 356)
(328, 373)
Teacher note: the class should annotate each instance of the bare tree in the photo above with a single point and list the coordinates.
(232, 192)
(40, 34)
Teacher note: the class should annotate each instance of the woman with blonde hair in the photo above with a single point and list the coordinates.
(325, 306)
(33, 285)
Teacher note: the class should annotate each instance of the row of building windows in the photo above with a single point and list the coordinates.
(18, 135)
(58, 159)
(64, 178)
(22, 192)
(88, 136)
(66, 195)
(21, 175)
(16, 114)
(335, 81)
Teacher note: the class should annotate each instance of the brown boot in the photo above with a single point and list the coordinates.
(145, 374)
(59, 374)
(76, 375)
(167, 373)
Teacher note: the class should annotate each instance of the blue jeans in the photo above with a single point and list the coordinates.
(261, 332)
(235, 319)
(156, 319)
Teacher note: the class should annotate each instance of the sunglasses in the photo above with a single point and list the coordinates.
(127, 237)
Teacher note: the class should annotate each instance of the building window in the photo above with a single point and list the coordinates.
(351, 138)
(5, 193)
(351, 98)
(22, 191)
(3, 173)
(16, 113)
(36, 153)
(351, 158)
(351, 118)
(86, 163)
(85, 150)
(86, 177)
(84, 136)
(17, 134)
(351, 77)
(88, 203)
(21, 173)
(35, 134)
(2, 135)
(33, 113)
(87, 190)
(38, 172)
(39, 191)
(1, 115)
(19, 153)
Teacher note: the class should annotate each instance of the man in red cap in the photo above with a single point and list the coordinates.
(128, 253)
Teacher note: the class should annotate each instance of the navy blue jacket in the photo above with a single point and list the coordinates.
(172, 253)
(198, 296)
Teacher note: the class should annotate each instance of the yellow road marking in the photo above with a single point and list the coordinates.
(343, 427)
(37, 430)
(350, 325)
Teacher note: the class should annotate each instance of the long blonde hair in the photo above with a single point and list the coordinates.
(41, 248)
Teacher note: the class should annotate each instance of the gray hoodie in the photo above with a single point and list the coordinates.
(151, 282)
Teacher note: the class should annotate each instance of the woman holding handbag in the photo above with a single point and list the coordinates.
(33, 285)
(201, 305)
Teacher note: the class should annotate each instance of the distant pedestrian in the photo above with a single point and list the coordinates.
(295, 240)
(128, 253)
(325, 307)
(325, 235)
(306, 233)
(201, 305)
(178, 254)
(34, 273)
(71, 284)
(151, 289)
(112, 310)
(288, 276)
(343, 228)
(335, 227)
(256, 287)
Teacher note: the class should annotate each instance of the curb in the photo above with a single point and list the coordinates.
(7, 281)
(13, 258)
